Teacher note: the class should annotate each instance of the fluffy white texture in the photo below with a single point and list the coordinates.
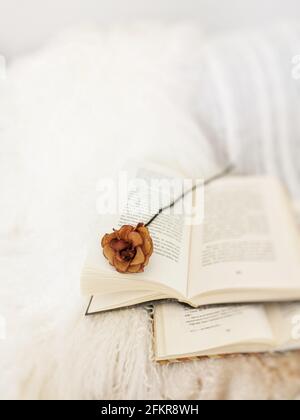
(71, 114)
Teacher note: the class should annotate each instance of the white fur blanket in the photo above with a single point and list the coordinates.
(67, 115)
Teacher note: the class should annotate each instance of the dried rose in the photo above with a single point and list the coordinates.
(129, 248)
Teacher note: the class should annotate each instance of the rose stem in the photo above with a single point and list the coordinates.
(206, 182)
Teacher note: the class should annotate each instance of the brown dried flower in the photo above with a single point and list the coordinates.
(129, 248)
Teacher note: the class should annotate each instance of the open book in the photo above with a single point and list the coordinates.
(226, 329)
(247, 250)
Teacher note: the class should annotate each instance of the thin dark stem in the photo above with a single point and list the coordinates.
(208, 181)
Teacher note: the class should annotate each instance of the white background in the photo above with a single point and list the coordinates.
(26, 24)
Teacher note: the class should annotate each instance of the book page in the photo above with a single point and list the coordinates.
(249, 240)
(285, 317)
(180, 330)
(168, 265)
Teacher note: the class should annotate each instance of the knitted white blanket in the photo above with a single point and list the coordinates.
(67, 114)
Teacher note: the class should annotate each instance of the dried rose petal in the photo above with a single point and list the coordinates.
(129, 248)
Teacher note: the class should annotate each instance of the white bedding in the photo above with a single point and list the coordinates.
(70, 114)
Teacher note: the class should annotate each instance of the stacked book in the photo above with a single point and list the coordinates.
(225, 282)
